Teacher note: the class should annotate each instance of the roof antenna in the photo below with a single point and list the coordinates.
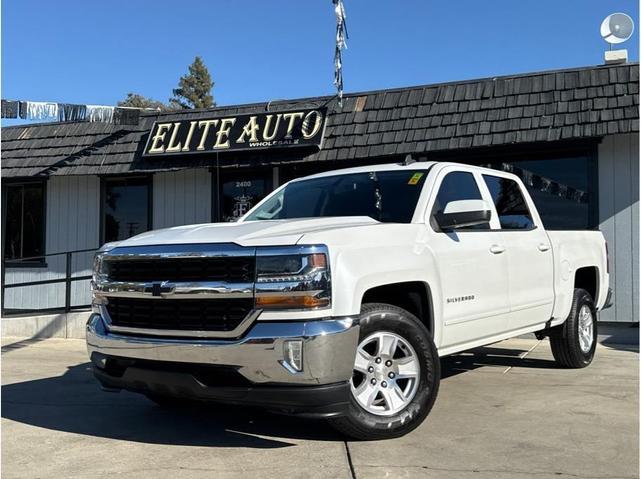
(409, 159)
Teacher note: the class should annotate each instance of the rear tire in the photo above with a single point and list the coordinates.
(574, 342)
(396, 396)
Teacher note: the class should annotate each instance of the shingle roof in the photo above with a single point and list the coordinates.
(536, 107)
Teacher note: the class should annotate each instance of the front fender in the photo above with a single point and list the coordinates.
(357, 272)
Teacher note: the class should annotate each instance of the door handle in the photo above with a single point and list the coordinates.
(497, 249)
(544, 246)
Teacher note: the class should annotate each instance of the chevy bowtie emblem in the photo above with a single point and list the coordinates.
(158, 288)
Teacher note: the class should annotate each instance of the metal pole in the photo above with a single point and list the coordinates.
(68, 282)
(3, 278)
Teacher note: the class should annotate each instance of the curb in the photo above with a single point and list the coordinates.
(62, 325)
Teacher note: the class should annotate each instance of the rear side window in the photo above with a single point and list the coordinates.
(510, 203)
(458, 185)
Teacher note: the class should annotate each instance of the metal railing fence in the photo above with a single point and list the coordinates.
(15, 265)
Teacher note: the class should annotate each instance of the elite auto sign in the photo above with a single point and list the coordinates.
(240, 132)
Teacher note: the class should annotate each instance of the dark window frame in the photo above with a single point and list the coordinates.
(17, 263)
(103, 191)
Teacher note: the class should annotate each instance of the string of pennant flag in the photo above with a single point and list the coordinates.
(546, 185)
(49, 111)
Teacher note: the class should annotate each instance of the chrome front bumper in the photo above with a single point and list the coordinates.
(329, 349)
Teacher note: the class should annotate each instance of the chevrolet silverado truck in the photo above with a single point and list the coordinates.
(335, 296)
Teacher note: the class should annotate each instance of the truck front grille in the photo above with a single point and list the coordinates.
(179, 314)
(228, 269)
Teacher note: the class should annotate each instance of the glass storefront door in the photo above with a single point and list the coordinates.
(240, 190)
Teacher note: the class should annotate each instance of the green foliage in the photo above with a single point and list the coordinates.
(138, 101)
(194, 88)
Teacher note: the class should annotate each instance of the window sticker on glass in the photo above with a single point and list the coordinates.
(415, 178)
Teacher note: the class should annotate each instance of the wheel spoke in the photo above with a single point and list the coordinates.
(366, 393)
(393, 396)
(586, 329)
(387, 345)
(377, 391)
(363, 360)
(407, 367)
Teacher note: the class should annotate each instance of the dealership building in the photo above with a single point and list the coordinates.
(571, 135)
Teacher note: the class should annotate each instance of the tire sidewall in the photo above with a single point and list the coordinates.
(380, 317)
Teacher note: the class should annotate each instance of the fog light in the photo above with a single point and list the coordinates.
(294, 354)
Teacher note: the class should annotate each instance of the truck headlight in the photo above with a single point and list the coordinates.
(292, 278)
(98, 273)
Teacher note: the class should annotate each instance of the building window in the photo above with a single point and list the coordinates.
(563, 189)
(241, 190)
(24, 233)
(126, 207)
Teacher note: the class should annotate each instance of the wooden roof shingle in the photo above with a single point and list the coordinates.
(536, 107)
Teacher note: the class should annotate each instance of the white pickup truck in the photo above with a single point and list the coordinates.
(336, 295)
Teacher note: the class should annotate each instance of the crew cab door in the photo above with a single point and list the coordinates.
(528, 251)
(472, 272)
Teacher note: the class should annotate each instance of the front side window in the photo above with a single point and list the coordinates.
(386, 196)
(24, 221)
(126, 208)
(509, 202)
(457, 185)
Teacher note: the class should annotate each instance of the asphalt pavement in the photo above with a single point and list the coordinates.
(504, 411)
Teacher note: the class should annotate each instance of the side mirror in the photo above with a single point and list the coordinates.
(463, 213)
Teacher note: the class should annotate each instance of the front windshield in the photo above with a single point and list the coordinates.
(386, 196)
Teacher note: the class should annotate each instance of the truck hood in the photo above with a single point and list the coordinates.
(250, 233)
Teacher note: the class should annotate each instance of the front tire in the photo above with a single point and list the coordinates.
(396, 375)
(574, 342)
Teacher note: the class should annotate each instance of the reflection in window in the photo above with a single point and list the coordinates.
(509, 202)
(126, 208)
(387, 196)
(24, 221)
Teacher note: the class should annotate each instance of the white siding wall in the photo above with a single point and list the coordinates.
(619, 222)
(181, 198)
(72, 223)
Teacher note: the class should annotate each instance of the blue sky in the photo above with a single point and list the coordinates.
(82, 51)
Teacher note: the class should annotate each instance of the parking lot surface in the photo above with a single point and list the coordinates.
(504, 411)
